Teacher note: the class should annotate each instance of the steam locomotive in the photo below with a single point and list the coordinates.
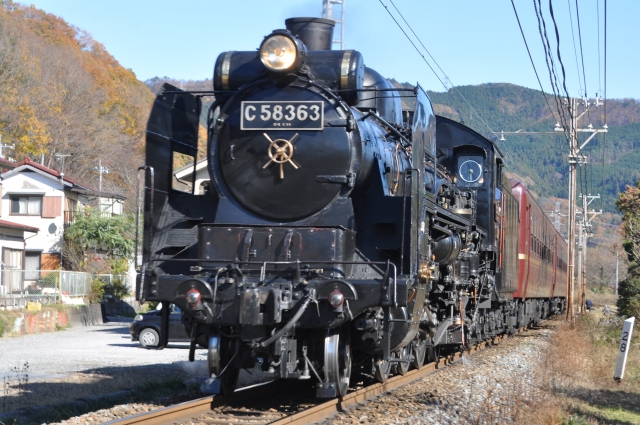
(337, 236)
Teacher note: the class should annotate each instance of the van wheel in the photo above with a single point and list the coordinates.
(149, 338)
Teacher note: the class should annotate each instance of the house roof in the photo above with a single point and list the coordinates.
(99, 194)
(5, 163)
(185, 172)
(11, 225)
(28, 163)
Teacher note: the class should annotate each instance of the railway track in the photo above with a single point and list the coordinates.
(278, 403)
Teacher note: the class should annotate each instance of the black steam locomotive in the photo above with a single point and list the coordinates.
(334, 237)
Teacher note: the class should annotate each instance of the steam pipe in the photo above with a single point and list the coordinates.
(289, 325)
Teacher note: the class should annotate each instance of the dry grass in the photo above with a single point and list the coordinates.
(573, 384)
(600, 299)
(578, 373)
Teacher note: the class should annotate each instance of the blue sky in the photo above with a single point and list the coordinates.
(474, 42)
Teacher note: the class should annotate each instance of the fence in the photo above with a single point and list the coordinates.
(49, 285)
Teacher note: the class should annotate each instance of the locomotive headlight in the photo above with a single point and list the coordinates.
(282, 52)
(193, 297)
(336, 299)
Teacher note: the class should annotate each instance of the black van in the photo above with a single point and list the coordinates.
(145, 328)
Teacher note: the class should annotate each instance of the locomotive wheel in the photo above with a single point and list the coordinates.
(221, 351)
(419, 353)
(337, 358)
(383, 369)
(404, 354)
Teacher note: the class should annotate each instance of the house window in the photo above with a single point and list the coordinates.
(31, 265)
(26, 205)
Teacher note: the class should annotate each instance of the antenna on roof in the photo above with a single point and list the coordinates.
(62, 157)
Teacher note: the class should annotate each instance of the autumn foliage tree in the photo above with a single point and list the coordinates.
(61, 92)
(629, 289)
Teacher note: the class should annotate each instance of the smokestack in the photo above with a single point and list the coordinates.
(315, 33)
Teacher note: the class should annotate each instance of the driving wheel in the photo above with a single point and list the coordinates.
(419, 353)
(404, 355)
(220, 353)
(337, 358)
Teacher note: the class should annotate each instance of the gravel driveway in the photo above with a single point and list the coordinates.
(93, 349)
(85, 362)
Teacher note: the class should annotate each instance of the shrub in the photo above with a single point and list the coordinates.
(97, 291)
(629, 291)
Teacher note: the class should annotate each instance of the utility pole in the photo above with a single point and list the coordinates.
(587, 216)
(575, 159)
(2, 146)
(101, 170)
(617, 259)
(555, 215)
(328, 13)
(580, 246)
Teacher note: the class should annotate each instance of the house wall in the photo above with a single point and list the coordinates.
(202, 175)
(49, 238)
(11, 238)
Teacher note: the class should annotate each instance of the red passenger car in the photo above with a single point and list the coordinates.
(542, 256)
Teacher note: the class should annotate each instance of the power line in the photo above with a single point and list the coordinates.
(604, 140)
(573, 38)
(555, 25)
(550, 65)
(531, 59)
(428, 64)
(599, 70)
(581, 53)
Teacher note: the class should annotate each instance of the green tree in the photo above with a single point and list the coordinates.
(629, 289)
(93, 241)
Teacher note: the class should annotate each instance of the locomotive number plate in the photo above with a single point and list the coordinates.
(291, 115)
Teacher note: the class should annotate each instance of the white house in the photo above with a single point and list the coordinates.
(184, 176)
(13, 241)
(42, 198)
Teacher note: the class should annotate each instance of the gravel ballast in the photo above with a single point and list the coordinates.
(495, 385)
(492, 386)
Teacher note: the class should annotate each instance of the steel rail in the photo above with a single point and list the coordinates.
(334, 406)
(188, 410)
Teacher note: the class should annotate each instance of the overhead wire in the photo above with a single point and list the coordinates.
(581, 51)
(551, 67)
(573, 38)
(428, 64)
(598, 25)
(604, 136)
(583, 176)
(532, 63)
(564, 75)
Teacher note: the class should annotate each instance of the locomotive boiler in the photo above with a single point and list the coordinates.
(335, 238)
